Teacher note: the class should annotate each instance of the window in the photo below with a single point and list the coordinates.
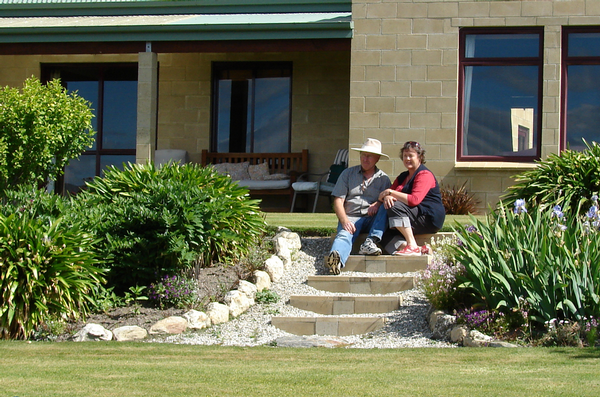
(581, 85)
(500, 85)
(251, 107)
(112, 91)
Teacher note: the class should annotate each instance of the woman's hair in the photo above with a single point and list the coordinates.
(416, 147)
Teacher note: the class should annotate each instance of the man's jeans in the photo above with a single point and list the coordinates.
(375, 225)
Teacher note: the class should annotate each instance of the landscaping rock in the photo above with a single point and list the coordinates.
(197, 319)
(248, 289)
(274, 267)
(238, 302)
(441, 324)
(129, 333)
(262, 280)
(458, 333)
(217, 312)
(170, 325)
(93, 332)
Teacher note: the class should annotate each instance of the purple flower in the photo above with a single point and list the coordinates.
(519, 206)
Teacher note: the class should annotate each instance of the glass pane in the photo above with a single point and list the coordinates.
(78, 172)
(584, 44)
(500, 116)
(502, 45)
(115, 159)
(583, 105)
(89, 91)
(120, 115)
(223, 115)
(272, 115)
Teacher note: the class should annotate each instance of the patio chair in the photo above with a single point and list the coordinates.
(323, 183)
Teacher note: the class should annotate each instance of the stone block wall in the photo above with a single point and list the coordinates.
(404, 79)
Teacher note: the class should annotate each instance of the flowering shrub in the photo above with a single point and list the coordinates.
(174, 291)
(439, 283)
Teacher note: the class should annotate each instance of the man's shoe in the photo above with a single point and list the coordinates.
(333, 262)
(369, 248)
(408, 251)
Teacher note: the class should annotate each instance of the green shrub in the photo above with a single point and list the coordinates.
(267, 296)
(168, 220)
(41, 129)
(46, 268)
(546, 259)
(560, 180)
(38, 203)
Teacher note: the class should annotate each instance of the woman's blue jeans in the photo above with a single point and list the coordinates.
(374, 225)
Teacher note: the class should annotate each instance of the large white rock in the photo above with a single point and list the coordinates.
(93, 332)
(291, 239)
(262, 280)
(197, 319)
(248, 288)
(238, 302)
(274, 267)
(285, 255)
(217, 312)
(129, 333)
(170, 325)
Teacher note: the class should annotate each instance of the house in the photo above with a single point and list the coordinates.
(487, 87)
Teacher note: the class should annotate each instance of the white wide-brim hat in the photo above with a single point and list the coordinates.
(371, 146)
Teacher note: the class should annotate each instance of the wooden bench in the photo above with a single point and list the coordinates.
(291, 164)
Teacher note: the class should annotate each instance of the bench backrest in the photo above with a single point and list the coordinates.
(279, 163)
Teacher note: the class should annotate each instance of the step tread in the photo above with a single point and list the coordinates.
(328, 325)
(344, 304)
(361, 284)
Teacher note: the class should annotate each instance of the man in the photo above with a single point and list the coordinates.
(356, 204)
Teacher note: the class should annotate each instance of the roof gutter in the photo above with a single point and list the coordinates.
(97, 8)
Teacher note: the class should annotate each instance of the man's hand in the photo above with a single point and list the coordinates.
(373, 208)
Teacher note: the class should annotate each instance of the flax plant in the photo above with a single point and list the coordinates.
(549, 259)
(46, 268)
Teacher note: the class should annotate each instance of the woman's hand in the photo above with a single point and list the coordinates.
(388, 201)
(384, 194)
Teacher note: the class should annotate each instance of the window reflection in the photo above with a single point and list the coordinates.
(112, 91)
(583, 105)
(501, 94)
(252, 107)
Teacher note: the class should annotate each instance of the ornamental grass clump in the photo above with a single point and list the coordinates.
(47, 268)
(563, 179)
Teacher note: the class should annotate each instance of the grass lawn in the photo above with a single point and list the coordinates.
(320, 221)
(142, 369)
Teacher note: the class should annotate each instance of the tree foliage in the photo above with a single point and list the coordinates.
(42, 127)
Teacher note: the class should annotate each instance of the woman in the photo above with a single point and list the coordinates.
(413, 202)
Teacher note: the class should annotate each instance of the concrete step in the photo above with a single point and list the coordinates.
(360, 284)
(386, 263)
(330, 325)
(335, 305)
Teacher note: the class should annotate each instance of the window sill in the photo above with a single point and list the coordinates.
(493, 165)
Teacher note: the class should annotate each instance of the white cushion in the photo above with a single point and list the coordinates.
(163, 156)
(256, 185)
(305, 186)
(327, 187)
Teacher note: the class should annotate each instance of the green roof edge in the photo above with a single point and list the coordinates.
(167, 7)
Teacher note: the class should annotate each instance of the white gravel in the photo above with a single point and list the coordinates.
(406, 327)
